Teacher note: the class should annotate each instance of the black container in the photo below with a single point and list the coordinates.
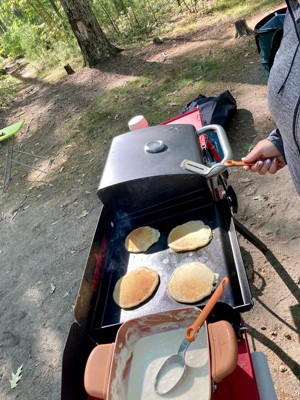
(268, 35)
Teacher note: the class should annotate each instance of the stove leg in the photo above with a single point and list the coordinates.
(249, 236)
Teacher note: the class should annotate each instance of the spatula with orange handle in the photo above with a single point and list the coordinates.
(232, 163)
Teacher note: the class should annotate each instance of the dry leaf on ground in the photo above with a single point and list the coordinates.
(16, 377)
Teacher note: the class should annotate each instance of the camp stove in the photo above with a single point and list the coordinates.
(142, 184)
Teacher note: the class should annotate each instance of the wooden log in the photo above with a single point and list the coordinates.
(242, 29)
(4, 71)
(157, 40)
(69, 69)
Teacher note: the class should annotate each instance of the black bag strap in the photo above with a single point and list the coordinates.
(276, 40)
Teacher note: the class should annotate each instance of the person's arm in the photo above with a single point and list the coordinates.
(266, 155)
(276, 139)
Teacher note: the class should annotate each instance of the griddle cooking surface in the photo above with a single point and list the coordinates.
(217, 255)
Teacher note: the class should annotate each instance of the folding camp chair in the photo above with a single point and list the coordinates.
(7, 135)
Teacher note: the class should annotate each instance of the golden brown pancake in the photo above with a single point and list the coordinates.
(141, 239)
(135, 287)
(191, 282)
(190, 236)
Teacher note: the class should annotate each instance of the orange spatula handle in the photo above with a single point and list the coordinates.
(232, 163)
(192, 331)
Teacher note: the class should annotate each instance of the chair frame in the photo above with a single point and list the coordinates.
(8, 135)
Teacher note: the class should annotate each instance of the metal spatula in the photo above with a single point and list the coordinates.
(204, 170)
(215, 169)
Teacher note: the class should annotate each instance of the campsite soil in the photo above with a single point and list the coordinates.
(47, 222)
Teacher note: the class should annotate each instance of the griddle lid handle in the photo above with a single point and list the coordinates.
(224, 143)
(223, 348)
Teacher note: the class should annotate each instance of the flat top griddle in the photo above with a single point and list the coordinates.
(222, 255)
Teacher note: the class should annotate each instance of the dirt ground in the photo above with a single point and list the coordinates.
(47, 222)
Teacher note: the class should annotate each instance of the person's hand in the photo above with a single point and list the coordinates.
(267, 158)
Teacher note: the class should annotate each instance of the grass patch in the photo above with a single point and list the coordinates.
(52, 75)
(9, 87)
(162, 90)
(241, 8)
(158, 98)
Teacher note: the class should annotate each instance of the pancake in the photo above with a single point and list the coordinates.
(190, 236)
(135, 287)
(191, 282)
(141, 239)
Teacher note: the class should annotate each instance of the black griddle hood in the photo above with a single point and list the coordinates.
(134, 179)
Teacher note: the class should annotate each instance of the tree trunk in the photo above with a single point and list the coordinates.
(242, 29)
(94, 45)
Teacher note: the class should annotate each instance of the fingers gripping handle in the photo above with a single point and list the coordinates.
(192, 331)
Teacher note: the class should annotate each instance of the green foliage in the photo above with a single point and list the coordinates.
(38, 43)
(34, 28)
(32, 39)
(10, 41)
